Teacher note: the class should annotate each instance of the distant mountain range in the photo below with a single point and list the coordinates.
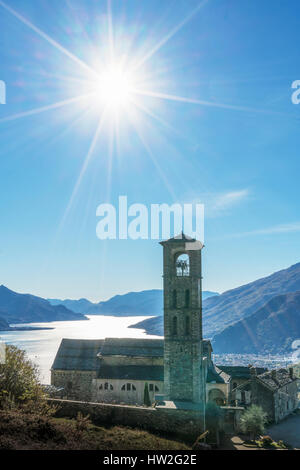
(271, 329)
(227, 316)
(147, 302)
(260, 317)
(26, 308)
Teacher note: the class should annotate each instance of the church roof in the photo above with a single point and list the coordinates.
(240, 372)
(147, 373)
(181, 237)
(78, 354)
(140, 347)
(216, 375)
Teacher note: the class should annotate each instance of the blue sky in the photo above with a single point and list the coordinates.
(231, 143)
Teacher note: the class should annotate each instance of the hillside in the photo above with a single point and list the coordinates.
(20, 431)
(236, 304)
(223, 310)
(25, 308)
(271, 329)
(147, 302)
(152, 326)
(3, 323)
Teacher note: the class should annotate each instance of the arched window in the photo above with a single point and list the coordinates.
(187, 298)
(243, 397)
(107, 386)
(183, 265)
(156, 388)
(175, 326)
(187, 325)
(129, 387)
(174, 300)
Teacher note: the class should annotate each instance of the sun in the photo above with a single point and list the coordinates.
(114, 87)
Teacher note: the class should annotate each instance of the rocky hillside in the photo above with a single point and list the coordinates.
(271, 329)
(236, 304)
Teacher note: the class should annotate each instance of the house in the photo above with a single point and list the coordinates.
(276, 391)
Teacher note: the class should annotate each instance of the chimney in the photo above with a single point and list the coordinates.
(291, 372)
(253, 371)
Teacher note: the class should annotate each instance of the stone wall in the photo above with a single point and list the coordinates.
(184, 424)
(77, 384)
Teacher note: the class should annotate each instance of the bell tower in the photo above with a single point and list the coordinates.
(184, 368)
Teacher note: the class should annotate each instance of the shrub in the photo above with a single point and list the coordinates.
(147, 400)
(253, 421)
(82, 423)
(213, 414)
(19, 383)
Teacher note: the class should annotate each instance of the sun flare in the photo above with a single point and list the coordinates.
(114, 87)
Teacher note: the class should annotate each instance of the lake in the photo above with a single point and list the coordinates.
(41, 345)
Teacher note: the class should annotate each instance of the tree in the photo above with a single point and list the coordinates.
(147, 400)
(253, 421)
(19, 380)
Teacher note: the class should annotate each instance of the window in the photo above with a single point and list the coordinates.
(174, 300)
(187, 298)
(129, 387)
(187, 325)
(106, 386)
(234, 385)
(156, 388)
(183, 265)
(243, 396)
(151, 388)
(174, 326)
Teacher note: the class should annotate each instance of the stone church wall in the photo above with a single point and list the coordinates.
(77, 385)
(113, 392)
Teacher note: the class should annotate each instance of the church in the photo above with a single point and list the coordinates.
(177, 369)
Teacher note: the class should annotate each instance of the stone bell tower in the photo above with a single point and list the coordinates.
(184, 367)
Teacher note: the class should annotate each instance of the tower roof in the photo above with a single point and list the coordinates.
(182, 238)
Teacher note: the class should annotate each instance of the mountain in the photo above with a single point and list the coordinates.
(152, 326)
(3, 323)
(271, 329)
(78, 306)
(223, 310)
(236, 304)
(147, 302)
(25, 308)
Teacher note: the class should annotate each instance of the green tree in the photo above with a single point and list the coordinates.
(19, 381)
(253, 421)
(147, 400)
